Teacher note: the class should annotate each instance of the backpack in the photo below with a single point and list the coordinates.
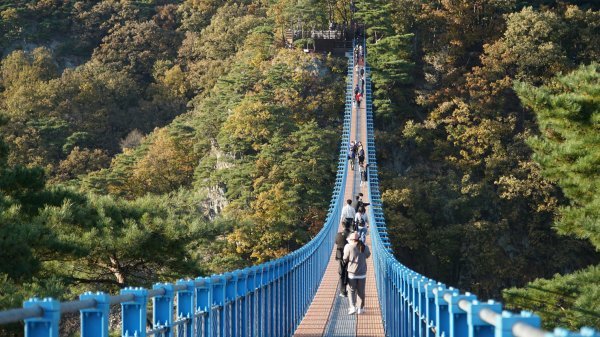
(361, 222)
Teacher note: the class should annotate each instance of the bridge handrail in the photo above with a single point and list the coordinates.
(414, 305)
(267, 300)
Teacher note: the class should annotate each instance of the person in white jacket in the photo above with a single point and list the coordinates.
(348, 213)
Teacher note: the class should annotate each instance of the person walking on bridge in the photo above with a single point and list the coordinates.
(356, 254)
(348, 213)
(341, 242)
(364, 175)
(358, 203)
(352, 155)
(361, 223)
(361, 155)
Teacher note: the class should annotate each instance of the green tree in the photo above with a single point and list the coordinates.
(207, 55)
(124, 242)
(81, 161)
(569, 300)
(568, 112)
(134, 47)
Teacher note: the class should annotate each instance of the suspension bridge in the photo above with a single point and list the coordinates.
(297, 295)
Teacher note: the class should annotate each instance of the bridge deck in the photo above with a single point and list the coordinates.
(328, 313)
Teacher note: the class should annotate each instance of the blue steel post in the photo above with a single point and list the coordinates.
(293, 296)
(240, 295)
(506, 321)
(308, 279)
(307, 266)
(203, 304)
(397, 298)
(396, 318)
(400, 290)
(430, 308)
(266, 305)
(217, 304)
(391, 286)
(258, 301)
(415, 299)
(133, 313)
(458, 317)
(408, 304)
(278, 311)
(404, 303)
(442, 313)
(251, 298)
(276, 299)
(422, 315)
(47, 325)
(230, 298)
(94, 321)
(289, 326)
(269, 301)
(284, 289)
(259, 294)
(388, 301)
(409, 301)
(162, 308)
(296, 285)
(186, 305)
(393, 291)
(477, 327)
(280, 296)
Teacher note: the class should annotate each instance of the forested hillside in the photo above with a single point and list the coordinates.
(148, 141)
(490, 156)
(145, 141)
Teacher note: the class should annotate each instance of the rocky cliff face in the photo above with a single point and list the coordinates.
(215, 194)
(215, 201)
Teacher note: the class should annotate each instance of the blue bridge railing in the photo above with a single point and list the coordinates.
(414, 305)
(268, 300)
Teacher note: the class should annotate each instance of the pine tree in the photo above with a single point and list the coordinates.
(568, 149)
(568, 113)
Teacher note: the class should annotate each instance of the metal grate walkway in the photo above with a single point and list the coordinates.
(328, 312)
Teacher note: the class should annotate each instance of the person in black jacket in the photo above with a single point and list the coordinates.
(340, 242)
(358, 203)
(355, 203)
